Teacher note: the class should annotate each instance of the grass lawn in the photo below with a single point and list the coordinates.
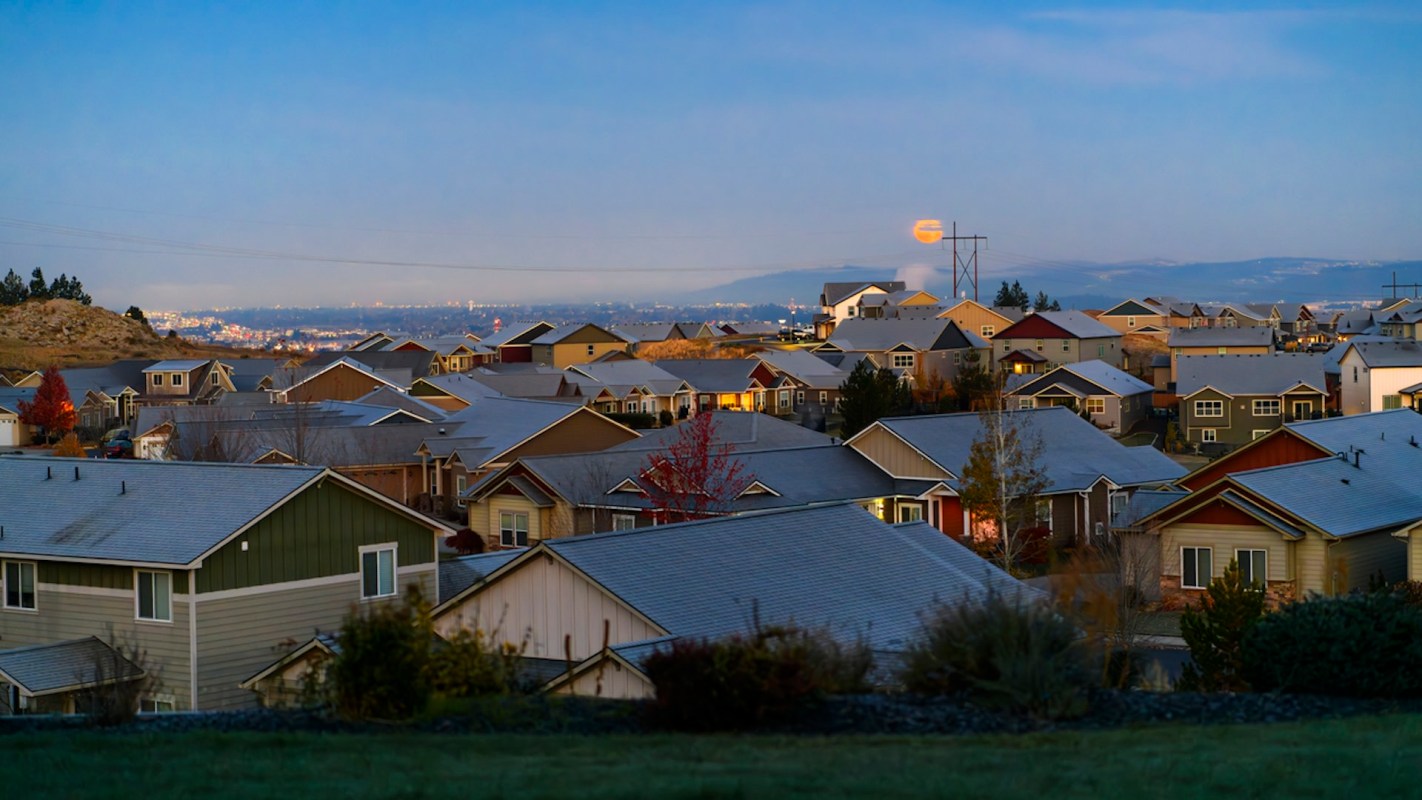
(1363, 757)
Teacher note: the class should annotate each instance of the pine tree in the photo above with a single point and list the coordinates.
(51, 409)
(1013, 296)
(39, 290)
(1215, 633)
(868, 394)
(1044, 304)
(13, 290)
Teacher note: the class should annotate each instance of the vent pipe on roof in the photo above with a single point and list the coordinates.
(123, 487)
(1412, 440)
(48, 473)
(76, 473)
(1357, 461)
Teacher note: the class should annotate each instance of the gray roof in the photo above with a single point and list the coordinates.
(490, 427)
(1221, 337)
(10, 398)
(1077, 324)
(181, 365)
(461, 386)
(620, 377)
(1244, 375)
(458, 574)
(720, 375)
(45, 669)
(1338, 498)
(646, 331)
(1075, 454)
(875, 335)
(560, 333)
(804, 366)
(1144, 502)
(390, 398)
(1385, 354)
(124, 510)
(835, 292)
(745, 430)
(1095, 373)
(835, 567)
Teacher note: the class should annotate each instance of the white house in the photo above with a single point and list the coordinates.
(1372, 375)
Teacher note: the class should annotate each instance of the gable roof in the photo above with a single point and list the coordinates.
(744, 430)
(719, 375)
(46, 669)
(1085, 377)
(558, 334)
(1270, 374)
(932, 333)
(1386, 354)
(1074, 324)
(10, 398)
(837, 292)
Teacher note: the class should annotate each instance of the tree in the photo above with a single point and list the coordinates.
(696, 475)
(973, 387)
(135, 313)
(67, 288)
(868, 394)
(39, 290)
(1215, 633)
(1002, 481)
(1044, 304)
(13, 290)
(1010, 296)
(69, 447)
(51, 409)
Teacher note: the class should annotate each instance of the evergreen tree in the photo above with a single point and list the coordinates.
(1045, 304)
(1012, 296)
(136, 313)
(973, 385)
(868, 394)
(67, 288)
(39, 290)
(1215, 633)
(13, 290)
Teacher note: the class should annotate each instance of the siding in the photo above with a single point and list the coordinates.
(66, 613)
(539, 604)
(1361, 558)
(338, 383)
(1283, 448)
(1414, 556)
(99, 576)
(239, 636)
(1311, 554)
(1223, 541)
(894, 457)
(583, 432)
(614, 681)
(316, 534)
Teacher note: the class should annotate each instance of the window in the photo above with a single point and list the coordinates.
(1253, 566)
(591, 351)
(513, 529)
(1222, 351)
(1004, 346)
(1101, 350)
(630, 406)
(1392, 401)
(800, 398)
(903, 360)
(214, 378)
(957, 359)
(1026, 402)
(910, 512)
(1208, 435)
(1303, 409)
(1039, 345)
(1096, 405)
(157, 379)
(1044, 514)
(1130, 322)
(1266, 408)
(784, 398)
(377, 572)
(177, 379)
(155, 595)
(1194, 567)
(1209, 408)
(624, 522)
(461, 482)
(1258, 433)
(1355, 374)
(20, 585)
(987, 331)
(1119, 501)
(1066, 345)
(824, 398)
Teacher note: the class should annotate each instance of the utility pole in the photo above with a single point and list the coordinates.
(1394, 286)
(971, 260)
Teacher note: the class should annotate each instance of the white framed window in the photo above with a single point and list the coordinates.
(1026, 402)
(1101, 350)
(153, 595)
(1005, 346)
(158, 704)
(1209, 408)
(377, 571)
(1119, 500)
(1253, 566)
(591, 350)
(800, 398)
(1130, 322)
(1195, 567)
(1266, 408)
(157, 379)
(215, 378)
(513, 528)
(1044, 514)
(20, 585)
(624, 522)
(784, 398)
(1209, 435)
(461, 482)
(824, 398)
(903, 361)
(1391, 401)
(987, 331)
(1066, 345)
(629, 406)
(910, 512)
(1096, 405)
(177, 379)
(1303, 409)
(957, 359)
(1258, 433)
(1040, 345)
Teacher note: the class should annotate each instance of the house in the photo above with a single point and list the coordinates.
(1374, 374)
(263, 555)
(1320, 507)
(1044, 340)
(513, 343)
(1152, 316)
(576, 344)
(451, 392)
(343, 378)
(1244, 315)
(538, 383)
(920, 350)
(1112, 398)
(108, 396)
(812, 382)
(1403, 322)
(399, 367)
(1089, 475)
(13, 432)
(882, 305)
(633, 387)
(731, 384)
(975, 317)
(452, 354)
(840, 301)
(743, 430)
(604, 602)
(1231, 400)
(1217, 342)
(643, 333)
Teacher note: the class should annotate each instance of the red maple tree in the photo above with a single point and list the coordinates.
(51, 409)
(696, 476)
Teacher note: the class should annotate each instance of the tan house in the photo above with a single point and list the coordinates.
(1255, 340)
(1152, 316)
(13, 432)
(342, 379)
(985, 321)
(1045, 340)
(576, 344)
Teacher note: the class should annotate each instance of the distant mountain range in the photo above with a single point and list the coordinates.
(1088, 285)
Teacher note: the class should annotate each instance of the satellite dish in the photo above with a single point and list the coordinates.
(928, 231)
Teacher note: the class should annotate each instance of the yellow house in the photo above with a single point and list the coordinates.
(577, 344)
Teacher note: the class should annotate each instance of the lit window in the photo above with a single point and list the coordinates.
(1096, 405)
(1253, 566)
(20, 585)
(1194, 567)
(513, 529)
(155, 595)
(377, 572)
(987, 331)
(1209, 408)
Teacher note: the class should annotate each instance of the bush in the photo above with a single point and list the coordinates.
(1363, 645)
(1003, 652)
(665, 418)
(744, 682)
(380, 670)
(468, 664)
(1215, 633)
(635, 420)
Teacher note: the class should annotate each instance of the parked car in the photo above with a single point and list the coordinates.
(120, 446)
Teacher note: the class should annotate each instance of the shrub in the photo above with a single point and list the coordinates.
(380, 669)
(744, 682)
(1003, 652)
(1215, 633)
(115, 698)
(635, 420)
(468, 664)
(466, 542)
(664, 418)
(1365, 645)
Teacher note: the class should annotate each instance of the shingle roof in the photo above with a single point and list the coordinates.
(835, 567)
(1339, 498)
(1096, 373)
(184, 365)
(621, 376)
(873, 335)
(458, 574)
(1243, 375)
(1078, 324)
(45, 669)
(745, 430)
(1075, 454)
(1388, 354)
(1221, 337)
(721, 375)
(836, 292)
(10, 398)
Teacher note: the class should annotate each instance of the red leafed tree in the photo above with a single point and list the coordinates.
(695, 476)
(51, 409)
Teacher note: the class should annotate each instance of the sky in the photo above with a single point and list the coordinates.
(193, 155)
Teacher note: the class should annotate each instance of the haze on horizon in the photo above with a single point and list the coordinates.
(179, 156)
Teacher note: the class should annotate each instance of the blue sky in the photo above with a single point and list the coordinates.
(637, 148)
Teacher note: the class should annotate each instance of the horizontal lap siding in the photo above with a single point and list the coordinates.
(539, 604)
(1224, 541)
(64, 615)
(239, 636)
(1362, 558)
(894, 457)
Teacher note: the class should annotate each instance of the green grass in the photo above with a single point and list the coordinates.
(1363, 757)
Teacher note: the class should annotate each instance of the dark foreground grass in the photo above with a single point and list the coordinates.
(1356, 758)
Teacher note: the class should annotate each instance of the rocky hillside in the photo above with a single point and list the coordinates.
(35, 334)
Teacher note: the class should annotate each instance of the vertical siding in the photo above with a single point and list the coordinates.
(65, 613)
(584, 432)
(541, 603)
(239, 636)
(895, 457)
(316, 534)
(614, 681)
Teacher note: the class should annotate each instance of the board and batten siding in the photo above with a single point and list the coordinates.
(1223, 540)
(613, 681)
(316, 534)
(242, 632)
(540, 603)
(64, 612)
(894, 457)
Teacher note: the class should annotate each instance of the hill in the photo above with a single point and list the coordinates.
(36, 334)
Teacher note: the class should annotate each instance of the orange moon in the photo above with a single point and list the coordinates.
(928, 231)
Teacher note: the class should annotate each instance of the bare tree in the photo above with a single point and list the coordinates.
(1002, 481)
